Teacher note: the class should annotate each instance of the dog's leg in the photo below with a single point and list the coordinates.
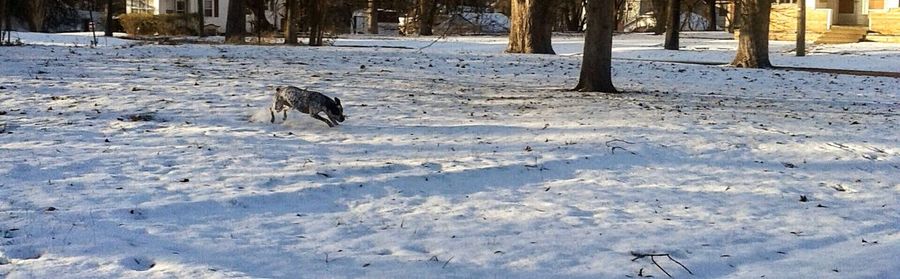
(333, 121)
(285, 115)
(272, 112)
(316, 116)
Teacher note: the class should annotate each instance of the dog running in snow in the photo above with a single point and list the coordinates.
(306, 101)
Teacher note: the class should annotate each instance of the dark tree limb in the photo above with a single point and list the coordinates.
(638, 255)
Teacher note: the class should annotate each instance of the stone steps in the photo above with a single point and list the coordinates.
(839, 34)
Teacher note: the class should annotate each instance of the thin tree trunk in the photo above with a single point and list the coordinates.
(201, 24)
(2, 21)
(531, 27)
(659, 14)
(711, 4)
(596, 69)
(258, 7)
(426, 19)
(801, 28)
(292, 12)
(317, 12)
(753, 41)
(236, 26)
(373, 17)
(37, 12)
(673, 25)
(108, 30)
(735, 16)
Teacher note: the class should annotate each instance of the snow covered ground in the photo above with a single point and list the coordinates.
(458, 161)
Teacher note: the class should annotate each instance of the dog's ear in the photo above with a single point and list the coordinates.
(337, 101)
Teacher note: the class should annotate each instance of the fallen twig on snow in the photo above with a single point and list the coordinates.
(638, 255)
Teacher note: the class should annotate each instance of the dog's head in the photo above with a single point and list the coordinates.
(336, 111)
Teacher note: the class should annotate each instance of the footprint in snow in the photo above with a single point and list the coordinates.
(138, 263)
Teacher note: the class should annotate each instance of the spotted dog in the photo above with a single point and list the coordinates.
(305, 101)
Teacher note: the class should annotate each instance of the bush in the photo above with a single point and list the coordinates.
(171, 24)
(138, 24)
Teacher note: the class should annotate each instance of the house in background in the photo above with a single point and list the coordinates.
(215, 12)
(838, 21)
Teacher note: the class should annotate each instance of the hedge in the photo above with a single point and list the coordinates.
(170, 24)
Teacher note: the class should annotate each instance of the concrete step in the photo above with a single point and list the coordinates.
(883, 38)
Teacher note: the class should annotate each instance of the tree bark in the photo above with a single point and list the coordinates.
(108, 30)
(531, 27)
(373, 17)
(201, 18)
(236, 26)
(37, 12)
(573, 14)
(258, 8)
(673, 25)
(659, 14)
(426, 19)
(596, 69)
(711, 4)
(801, 28)
(317, 10)
(2, 21)
(292, 12)
(753, 41)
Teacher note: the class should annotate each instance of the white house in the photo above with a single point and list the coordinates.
(215, 12)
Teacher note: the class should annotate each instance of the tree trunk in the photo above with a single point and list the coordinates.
(236, 25)
(108, 30)
(426, 20)
(735, 16)
(373, 17)
(258, 8)
(753, 41)
(292, 12)
(711, 4)
(37, 12)
(801, 29)
(596, 69)
(200, 19)
(573, 14)
(673, 24)
(317, 10)
(659, 14)
(531, 27)
(2, 21)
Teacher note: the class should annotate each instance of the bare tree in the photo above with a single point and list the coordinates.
(292, 13)
(317, 10)
(258, 8)
(673, 25)
(753, 41)
(596, 69)
(201, 14)
(373, 16)
(711, 5)
(236, 24)
(659, 15)
(36, 13)
(427, 10)
(531, 27)
(801, 29)
(108, 28)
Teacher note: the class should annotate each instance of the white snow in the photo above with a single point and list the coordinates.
(457, 161)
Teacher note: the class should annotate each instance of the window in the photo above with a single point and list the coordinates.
(180, 6)
(211, 8)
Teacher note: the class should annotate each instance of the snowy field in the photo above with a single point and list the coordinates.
(457, 161)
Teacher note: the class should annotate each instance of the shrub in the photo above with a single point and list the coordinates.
(138, 24)
(171, 24)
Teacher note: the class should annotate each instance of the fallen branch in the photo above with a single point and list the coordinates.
(612, 148)
(652, 256)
